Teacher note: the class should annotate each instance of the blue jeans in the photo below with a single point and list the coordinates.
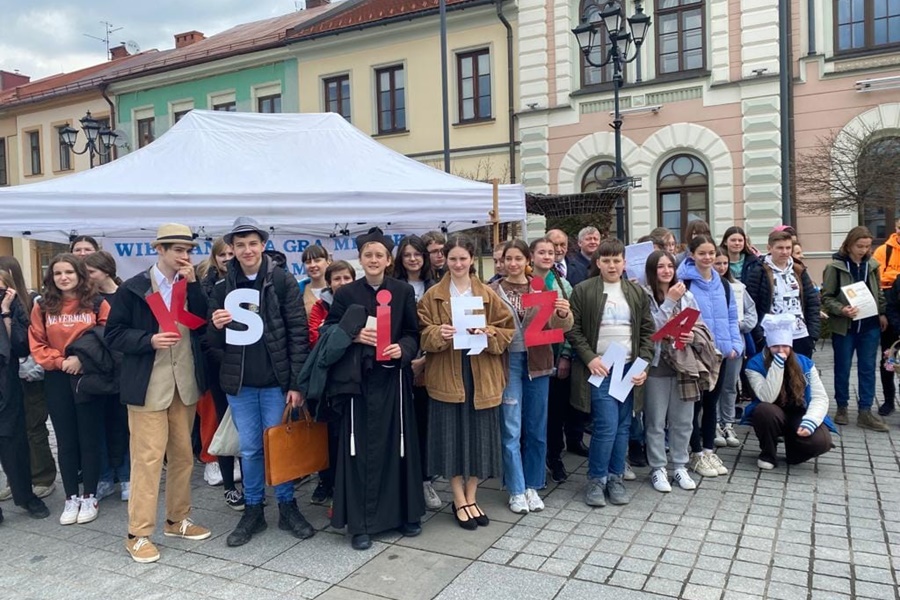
(107, 473)
(523, 414)
(253, 410)
(612, 422)
(866, 346)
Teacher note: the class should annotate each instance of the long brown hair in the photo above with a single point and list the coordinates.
(793, 389)
(103, 261)
(860, 232)
(52, 298)
(12, 266)
(211, 262)
(653, 278)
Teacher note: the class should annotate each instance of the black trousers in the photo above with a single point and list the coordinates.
(706, 416)
(770, 422)
(43, 466)
(78, 427)
(563, 420)
(15, 459)
(888, 337)
(115, 422)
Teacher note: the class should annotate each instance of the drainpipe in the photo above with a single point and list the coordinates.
(510, 92)
(811, 26)
(112, 114)
(786, 76)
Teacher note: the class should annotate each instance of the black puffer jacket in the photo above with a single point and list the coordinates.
(99, 367)
(284, 327)
(759, 280)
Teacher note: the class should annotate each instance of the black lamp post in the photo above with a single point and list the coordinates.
(609, 15)
(99, 139)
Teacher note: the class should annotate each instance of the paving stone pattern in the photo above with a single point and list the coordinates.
(828, 530)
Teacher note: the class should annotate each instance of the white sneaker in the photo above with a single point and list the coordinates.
(683, 479)
(89, 509)
(518, 504)
(104, 489)
(731, 437)
(660, 480)
(701, 466)
(211, 473)
(628, 475)
(716, 463)
(432, 500)
(238, 475)
(126, 491)
(720, 440)
(535, 504)
(69, 514)
(764, 465)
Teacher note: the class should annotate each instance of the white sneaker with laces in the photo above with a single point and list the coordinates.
(700, 465)
(731, 437)
(518, 504)
(660, 480)
(716, 463)
(104, 489)
(211, 473)
(69, 514)
(764, 465)
(683, 479)
(432, 500)
(720, 440)
(88, 510)
(628, 475)
(535, 504)
(126, 490)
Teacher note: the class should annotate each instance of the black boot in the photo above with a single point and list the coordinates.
(290, 519)
(37, 509)
(636, 455)
(252, 521)
(887, 408)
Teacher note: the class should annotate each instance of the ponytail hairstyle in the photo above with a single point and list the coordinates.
(459, 240)
(793, 389)
(698, 240)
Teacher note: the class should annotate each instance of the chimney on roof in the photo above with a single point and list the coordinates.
(187, 38)
(119, 51)
(10, 80)
(316, 3)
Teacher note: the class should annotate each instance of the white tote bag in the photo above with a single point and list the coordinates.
(225, 442)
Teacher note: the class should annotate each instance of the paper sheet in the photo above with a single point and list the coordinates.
(859, 297)
(619, 385)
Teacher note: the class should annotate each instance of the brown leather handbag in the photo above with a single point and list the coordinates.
(295, 448)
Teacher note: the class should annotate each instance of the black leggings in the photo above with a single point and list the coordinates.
(78, 428)
(705, 425)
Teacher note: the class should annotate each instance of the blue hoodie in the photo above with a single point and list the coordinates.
(719, 314)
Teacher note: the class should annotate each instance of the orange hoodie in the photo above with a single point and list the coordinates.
(50, 335)
(889, 269)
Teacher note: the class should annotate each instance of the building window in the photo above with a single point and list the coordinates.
(179, 115)
(881, 205)
(226, 107)
(474, 85)
(590, 75)
(337, 95)
(679, 36)
(65, 153)
(391, 97)
(683, 193)
(866, 24)
(34, 147)
(269, 104)
(145, 131)
(102, 159)
(4, 176)
(598, 177)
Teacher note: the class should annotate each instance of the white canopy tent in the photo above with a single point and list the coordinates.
(296, 173)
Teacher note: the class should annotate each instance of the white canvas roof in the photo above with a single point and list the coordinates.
(297, 173)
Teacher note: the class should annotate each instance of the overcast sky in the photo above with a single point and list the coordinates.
(45, 37)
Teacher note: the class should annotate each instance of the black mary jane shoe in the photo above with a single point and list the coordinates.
(470, 523)
(410, 529)
(361, 541)
(481, 519)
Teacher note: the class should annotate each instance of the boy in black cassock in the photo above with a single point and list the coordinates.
(378, 481)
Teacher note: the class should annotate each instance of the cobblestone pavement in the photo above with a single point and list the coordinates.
(821, 531)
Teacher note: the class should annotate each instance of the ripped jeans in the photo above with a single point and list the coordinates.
(523, 427)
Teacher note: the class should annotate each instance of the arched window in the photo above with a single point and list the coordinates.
(598, 177)
(590, 11)
(877, 188)
(683, 192)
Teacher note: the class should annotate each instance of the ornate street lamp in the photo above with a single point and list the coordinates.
(99, 141)
(609, 15)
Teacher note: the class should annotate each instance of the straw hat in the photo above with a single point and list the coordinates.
(174, 233)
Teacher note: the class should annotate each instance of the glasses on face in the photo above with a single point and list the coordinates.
(436, 251)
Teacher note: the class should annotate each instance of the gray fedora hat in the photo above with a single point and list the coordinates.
(245, 225)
